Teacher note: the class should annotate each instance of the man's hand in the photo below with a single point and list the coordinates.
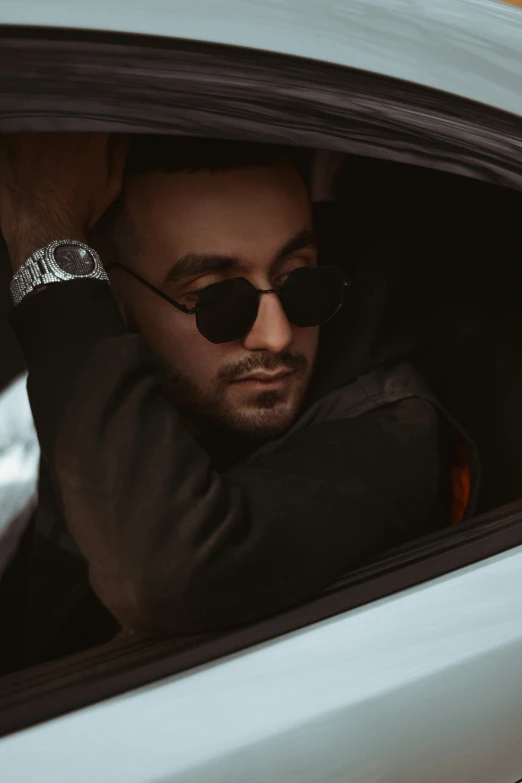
(56, 186)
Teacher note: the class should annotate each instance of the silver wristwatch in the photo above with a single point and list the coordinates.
(65, 259)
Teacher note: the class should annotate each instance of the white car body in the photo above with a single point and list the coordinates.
(470, 48)
(422, 685)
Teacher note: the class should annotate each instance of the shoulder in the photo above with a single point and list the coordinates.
(400, 440)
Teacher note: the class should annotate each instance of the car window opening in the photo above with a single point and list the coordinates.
(429, 322)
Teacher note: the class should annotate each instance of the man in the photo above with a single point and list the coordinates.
(207, 476)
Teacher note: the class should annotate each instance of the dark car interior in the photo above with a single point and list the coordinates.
(454, 298)
(451, 291)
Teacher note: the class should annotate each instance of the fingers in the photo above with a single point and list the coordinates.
(116, 153)
(119, 145)
(61, 182)
(326, 165)
(118, 149)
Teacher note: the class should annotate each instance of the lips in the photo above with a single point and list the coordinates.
(265, 379)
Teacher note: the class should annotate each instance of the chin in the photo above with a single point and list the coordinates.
(268, 418)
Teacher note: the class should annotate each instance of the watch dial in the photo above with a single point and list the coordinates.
(74, 260)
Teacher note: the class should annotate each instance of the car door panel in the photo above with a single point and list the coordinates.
(423, 685)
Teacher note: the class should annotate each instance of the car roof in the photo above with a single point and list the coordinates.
(471, 48)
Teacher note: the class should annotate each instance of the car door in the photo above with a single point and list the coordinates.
(421, 683)
(406, 670)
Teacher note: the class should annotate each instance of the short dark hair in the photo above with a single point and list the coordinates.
(172, 154)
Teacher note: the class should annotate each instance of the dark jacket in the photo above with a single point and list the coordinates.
(174, 546)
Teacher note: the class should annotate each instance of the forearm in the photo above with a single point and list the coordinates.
(130, 480)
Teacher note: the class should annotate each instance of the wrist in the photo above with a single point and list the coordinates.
(59, 261)
(28, 238)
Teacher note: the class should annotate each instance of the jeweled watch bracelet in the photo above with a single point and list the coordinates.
(58, 262)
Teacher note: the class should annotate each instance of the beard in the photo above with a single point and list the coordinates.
(263, 416)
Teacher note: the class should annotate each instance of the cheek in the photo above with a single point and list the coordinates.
(306, 341)
(161, 324)
(174, 338)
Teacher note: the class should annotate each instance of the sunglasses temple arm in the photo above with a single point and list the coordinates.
(146, 283)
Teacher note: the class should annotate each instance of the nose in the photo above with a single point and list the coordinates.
(271, 330)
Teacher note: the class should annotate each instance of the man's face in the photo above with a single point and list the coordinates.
(191, 230)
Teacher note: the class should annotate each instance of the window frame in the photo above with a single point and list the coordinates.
(169, 93)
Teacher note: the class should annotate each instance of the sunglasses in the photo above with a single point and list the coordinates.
(226, 311)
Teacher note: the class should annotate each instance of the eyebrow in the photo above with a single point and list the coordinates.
(194, 264)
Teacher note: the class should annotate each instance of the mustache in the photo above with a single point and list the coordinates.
(286, 360)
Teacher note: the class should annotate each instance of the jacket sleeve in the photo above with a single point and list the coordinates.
(173, 546)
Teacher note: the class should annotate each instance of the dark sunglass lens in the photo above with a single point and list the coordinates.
(312, 295)
(226, 311)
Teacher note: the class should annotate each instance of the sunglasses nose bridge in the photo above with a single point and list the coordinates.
(271, 329)
(237, 310)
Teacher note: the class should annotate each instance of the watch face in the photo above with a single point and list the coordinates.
(74, 260)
